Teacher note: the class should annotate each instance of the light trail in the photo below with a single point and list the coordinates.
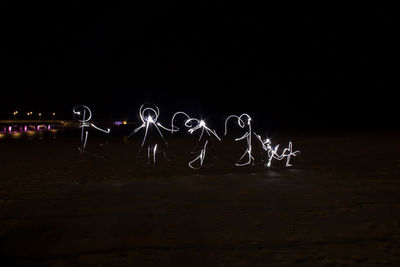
(244, 120)
(194, 125)
(272, 152)
(83, 114)
(149, 117)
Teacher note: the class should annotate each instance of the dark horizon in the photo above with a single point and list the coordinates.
(299, 66)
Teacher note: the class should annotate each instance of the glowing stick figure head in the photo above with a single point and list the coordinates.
(241, 122)
(149, 114)
(149, 119)
(82, 113)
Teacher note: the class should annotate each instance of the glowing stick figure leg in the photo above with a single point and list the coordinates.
(154, 153)
(82, 133)
(148, 155)
(200, 158)
(86, 137)
(250, 158)
(289, 154)
(272, 154)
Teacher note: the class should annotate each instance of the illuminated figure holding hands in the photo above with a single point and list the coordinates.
(244, 120)
(205, 135)
(83, 114)
(272, 152)
(148, 116)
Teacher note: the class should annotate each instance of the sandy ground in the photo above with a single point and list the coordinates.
(338, 205)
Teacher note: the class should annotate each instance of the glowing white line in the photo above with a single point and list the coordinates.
(200, 158)
(86, 137)
(154, 153)
(272, 152)
(288, 153)
(83, 114)
(194, 125)
(102, 130)
(242, 124)
(149, 116)
(199, 124)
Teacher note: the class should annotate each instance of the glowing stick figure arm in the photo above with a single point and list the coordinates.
(97, 128)
(261, 141)
(258, 137)
(84, 125)
(174, 128)
(243, 137)
(290, 154)
(294, 153)
(137, 129)
(289, 151)
(213, 132)
(165, 128)
(275, 155)
(192, 130)
(226, 122)
(216, 135)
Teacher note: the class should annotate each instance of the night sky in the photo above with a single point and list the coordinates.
(289, 66)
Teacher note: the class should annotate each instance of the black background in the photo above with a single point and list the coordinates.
(289, 66)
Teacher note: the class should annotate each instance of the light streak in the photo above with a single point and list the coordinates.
(199, 158)
(272, 152)
(196, 124)
(149, 116)
(244, 120)
(83, 114)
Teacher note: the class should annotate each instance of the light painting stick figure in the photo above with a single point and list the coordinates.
(149, 116)
(288, 153)
(83, 114)
(272, 152)
(244, 120)
(195, 124)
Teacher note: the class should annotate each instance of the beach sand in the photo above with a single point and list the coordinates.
(338, 205)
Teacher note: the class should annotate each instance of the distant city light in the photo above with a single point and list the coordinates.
(153, 136)
(119, 123)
